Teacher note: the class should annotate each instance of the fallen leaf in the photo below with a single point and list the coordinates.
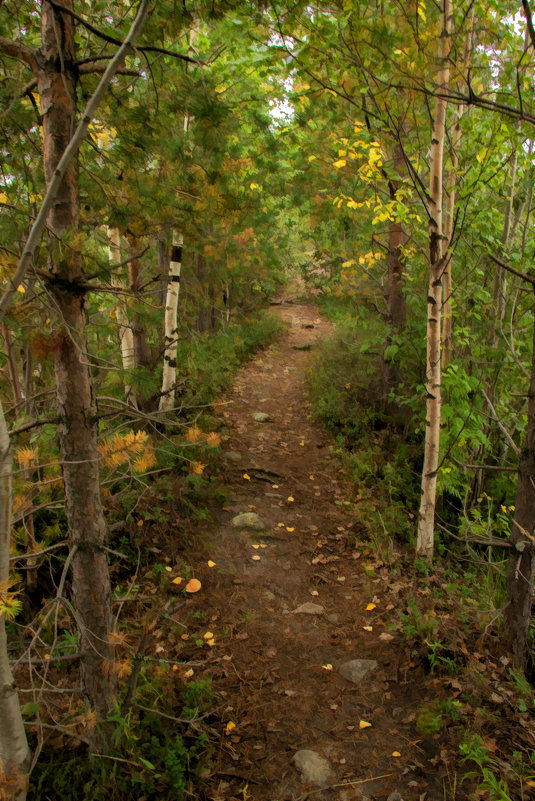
(290, 693)
(228, 728)
(169, 569)
(189, 673)
(396, 754)
(314, 592)
(255, 558)
(193, 585)
(210, 563)
(290, 528)
(211, 642)
(370, 607)
(246, 477)
(302, 443)
(386, 637)
(368, 628)
(175, 668)
(274, 486)
(208, 635)
(290, 499)
(263, 545)
(341, 579)
(364, 724)
(177, 580)
(184, 636)
(280, 525)
(328, 666)
(255, 546)
(140, 523)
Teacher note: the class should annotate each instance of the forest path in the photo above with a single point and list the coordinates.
(276, 669)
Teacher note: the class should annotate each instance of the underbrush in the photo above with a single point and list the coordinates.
(156, 481)
(447, 614)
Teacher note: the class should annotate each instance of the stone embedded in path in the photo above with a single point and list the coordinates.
(302, 347)
(232, 456)
(313, 767)
(308, 608)
(356, 669)
(248, 520)
(261, 417)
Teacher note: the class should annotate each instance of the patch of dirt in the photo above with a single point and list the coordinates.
(277, 672)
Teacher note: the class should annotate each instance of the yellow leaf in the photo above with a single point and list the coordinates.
(368, 628)
(208, 636)
(228, 728)
(197, 468)
(256, 547)
(314, 592)
(177, 580)
(21, 289)
(290, 499)
(189, 673)
(255, 558)
(263, 545)
(364, 724)
(396, 754)
(210, 563)
(327, 667)
(370, 607)
(193, 585)
(246, 477)
(302, 443)
(290, 528)
(340, 163)
(274, 486)
(211, 642)
(168, 569)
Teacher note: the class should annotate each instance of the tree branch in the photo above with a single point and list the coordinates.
(19, 51)
(112, 40)
(529, 21)
(512, 270)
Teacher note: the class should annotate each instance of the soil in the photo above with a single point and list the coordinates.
(276, 670)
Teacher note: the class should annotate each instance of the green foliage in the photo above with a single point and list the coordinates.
(152, 756)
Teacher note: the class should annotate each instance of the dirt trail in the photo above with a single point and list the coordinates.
(277, 671)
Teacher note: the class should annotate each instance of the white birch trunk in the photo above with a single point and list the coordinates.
(426, 520)
(14, 752)
(167, 399)
(126, 335)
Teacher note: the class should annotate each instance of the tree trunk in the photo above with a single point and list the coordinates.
(447, 311)
(14, 753)
(521, 568)
(425, 540)
(77, 430)
(126, 336)
(395, 309)
(167, 399)
(499, 293)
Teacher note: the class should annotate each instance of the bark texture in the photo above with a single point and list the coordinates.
(521, 567)
(167, 399)
(126, 335)
(77, 431)
(14, 752)
(425, 539)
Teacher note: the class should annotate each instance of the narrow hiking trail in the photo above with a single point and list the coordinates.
(292, 605)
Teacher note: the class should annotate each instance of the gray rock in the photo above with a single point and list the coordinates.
(395, 796)
(334, 618)
(356, 669)
(313, 767)
(232, 456)
(248, 520)
(261, 417)
(308, 608)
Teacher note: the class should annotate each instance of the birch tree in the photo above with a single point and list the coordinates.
(425, 539)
